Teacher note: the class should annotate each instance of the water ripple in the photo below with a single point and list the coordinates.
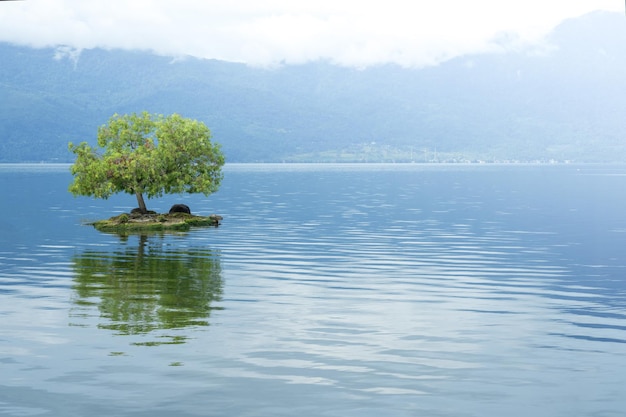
(335, 291)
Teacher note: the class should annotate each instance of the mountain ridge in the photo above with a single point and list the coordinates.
(558, 103)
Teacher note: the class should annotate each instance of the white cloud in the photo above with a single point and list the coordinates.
(347, 32)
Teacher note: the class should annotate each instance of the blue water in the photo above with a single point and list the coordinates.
(328, 290)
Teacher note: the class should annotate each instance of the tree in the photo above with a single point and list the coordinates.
(146, 154)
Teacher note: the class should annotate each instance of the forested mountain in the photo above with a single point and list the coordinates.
(564, 101)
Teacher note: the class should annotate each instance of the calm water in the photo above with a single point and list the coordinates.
(333, 290)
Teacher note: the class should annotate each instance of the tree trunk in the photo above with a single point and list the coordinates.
(141, 203)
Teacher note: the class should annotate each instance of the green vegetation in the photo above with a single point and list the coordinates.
(147, 154)
(151, 222)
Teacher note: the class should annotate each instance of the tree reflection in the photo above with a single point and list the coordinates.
(141, 289)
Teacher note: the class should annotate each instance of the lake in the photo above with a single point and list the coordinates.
(328, 290)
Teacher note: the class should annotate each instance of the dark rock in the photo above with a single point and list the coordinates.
(136, 212)
(180, 208)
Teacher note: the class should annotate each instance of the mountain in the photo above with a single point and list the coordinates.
(563, 101)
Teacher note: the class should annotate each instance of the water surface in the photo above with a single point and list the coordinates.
(329, 290)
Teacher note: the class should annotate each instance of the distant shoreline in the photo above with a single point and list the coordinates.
(246, 166)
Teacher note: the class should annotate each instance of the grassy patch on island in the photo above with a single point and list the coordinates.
(131, 222)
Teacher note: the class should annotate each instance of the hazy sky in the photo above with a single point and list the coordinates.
(268, 32)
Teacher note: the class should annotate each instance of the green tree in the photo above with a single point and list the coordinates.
(146, 154)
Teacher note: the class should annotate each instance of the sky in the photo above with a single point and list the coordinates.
(355, 33)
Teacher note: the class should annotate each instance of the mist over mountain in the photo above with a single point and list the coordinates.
(563, 101)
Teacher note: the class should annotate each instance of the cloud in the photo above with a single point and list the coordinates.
(346, 32)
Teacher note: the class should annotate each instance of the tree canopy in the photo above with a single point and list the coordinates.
(148, 154)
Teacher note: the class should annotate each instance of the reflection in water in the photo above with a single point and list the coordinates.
(138, 290)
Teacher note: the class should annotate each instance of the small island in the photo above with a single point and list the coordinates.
(136, 221)
(153, 155)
